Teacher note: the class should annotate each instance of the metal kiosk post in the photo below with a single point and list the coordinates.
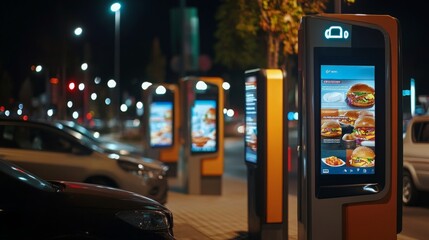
(265, 152)
(162, 121)
(202, 99)
(350, 140)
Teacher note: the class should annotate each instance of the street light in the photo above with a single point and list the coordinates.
(116, 9)
(78, 31)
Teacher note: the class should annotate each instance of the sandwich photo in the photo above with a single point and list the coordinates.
(361, 95)
(366, 113)
(364, 129)
(362, 157)
(349, 117)
(331, 129)
(210, 116)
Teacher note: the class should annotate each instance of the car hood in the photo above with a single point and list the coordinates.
(118, 147)
(85, 195)
(148, 162)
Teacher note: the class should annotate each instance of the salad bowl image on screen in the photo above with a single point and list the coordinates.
(161, 124)
(347, 119)
(204, 126)
(251, 123)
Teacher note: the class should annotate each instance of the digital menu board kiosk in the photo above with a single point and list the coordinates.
(349, 133)
(161, 124)
(202, 132)
(265, 153)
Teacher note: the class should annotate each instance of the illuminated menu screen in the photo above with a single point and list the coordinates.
(203, 126)
(347, 127)
(251, 123)
(161, 124)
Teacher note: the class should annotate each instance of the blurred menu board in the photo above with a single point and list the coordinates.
(161, 124)
(347, 126)
(251, 123)
(203, 126)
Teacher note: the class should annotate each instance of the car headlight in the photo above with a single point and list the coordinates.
(145, 220)
(140, 169)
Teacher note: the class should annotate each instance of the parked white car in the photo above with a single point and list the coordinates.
(416, 160)
(53, 153)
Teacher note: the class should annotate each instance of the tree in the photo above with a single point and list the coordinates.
(6, 88)
(26, 94)
(155, 70)
(237, 34)
(243, 24)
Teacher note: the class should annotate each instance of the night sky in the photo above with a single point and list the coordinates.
(41, 32)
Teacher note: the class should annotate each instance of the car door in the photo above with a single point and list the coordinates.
(417, 153)
(45, 152)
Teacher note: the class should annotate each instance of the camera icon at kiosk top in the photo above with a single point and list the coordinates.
(336, 32)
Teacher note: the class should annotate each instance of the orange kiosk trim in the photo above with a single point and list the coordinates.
(213, 166)
(274, 204)
(171, 155)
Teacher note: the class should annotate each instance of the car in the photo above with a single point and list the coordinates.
(108, 144)
(34, 208)
(52, 152)
(416, 160)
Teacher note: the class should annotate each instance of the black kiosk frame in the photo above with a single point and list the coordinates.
(161, 120)
(202, 135)
(266, 145)
(161, 125)
(204, 120)
(347, 157)
(356, 66)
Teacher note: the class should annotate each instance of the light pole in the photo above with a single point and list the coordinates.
(116, 9)
(47, 102)
(337, 4)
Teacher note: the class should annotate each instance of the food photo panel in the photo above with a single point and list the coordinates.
(347, 127)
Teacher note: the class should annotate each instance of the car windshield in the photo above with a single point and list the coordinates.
(20, 174)
(84, 139)
(86, 136)
(81, 129)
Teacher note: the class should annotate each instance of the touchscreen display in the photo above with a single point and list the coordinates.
(251, 123)
(203, 126)
(161, 124)
(347, 127)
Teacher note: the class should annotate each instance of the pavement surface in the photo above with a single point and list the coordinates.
(220, 217)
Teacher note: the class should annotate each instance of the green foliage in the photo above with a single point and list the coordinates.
(155, 70)
(6, 88)
(237, 35)
(26, 92)
(253, 31)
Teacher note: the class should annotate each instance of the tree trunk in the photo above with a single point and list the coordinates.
(276, 53)
(273, 49)
(269, 51)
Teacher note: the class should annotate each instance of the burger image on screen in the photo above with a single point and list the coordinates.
(364, 129)
(349, 117)
(361, 95)
(331, 129)
(210, 116)
(168, 115)
(362, 157)
(366, 113)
